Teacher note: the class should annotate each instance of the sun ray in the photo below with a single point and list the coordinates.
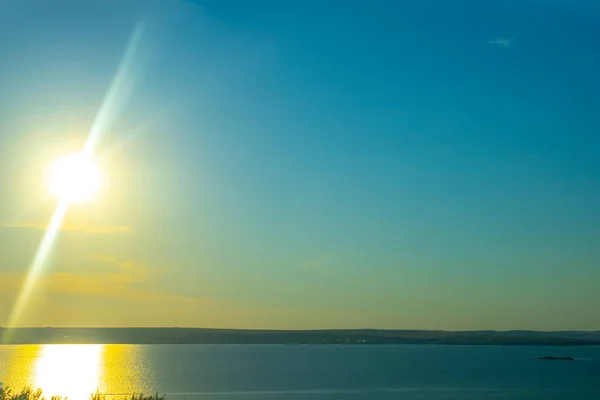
(38, 262)
(116, 92)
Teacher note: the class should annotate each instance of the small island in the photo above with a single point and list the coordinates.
(557, 358)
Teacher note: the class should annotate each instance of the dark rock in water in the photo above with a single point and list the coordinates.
(557, 358)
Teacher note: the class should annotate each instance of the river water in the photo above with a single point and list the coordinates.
(305, 372)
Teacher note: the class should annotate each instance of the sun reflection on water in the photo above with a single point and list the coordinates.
(71, 370)
(77, 370)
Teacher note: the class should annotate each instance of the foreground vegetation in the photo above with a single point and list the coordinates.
(30, 394)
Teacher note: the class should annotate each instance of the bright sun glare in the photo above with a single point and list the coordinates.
(74, 178)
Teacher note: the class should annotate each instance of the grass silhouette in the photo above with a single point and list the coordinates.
(30, 394)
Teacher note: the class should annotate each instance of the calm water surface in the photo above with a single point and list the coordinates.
(305, 372)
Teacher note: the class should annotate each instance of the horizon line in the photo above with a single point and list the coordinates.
(302, 329)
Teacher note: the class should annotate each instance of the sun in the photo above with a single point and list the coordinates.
(75, 178)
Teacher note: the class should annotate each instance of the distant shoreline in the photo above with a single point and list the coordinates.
(293, 337)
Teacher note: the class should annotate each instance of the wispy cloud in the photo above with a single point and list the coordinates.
(116, 286)
(83, 228)
(503, 41)
(120, 280)
(127, 272)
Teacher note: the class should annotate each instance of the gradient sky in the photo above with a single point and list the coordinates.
(307, 164)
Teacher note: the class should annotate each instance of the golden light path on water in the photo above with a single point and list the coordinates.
(76, 371)
(107, 112)
(72, 371)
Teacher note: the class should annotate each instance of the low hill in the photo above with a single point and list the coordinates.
(241, 336)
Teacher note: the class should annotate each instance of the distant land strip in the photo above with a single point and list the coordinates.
(290, 337)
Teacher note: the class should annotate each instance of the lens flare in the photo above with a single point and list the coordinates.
(77, 178)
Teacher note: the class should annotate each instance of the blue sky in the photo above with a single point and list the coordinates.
(308, 164)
